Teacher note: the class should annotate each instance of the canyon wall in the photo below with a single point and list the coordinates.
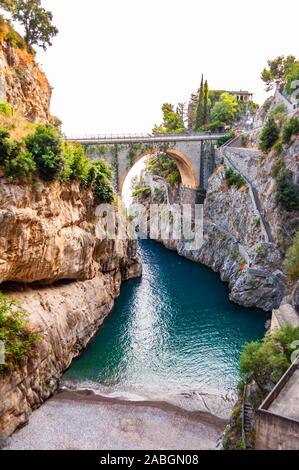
(234, 245)
(65, 279)
(22, 83)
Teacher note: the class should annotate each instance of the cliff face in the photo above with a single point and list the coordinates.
(22, 83)
(234, 244)
(47, 234)
(283, 223)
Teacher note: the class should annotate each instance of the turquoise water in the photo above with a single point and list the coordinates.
(173, 333)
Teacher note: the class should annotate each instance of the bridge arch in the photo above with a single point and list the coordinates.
(185, 166)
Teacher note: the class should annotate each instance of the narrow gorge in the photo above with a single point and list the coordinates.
(109, 339)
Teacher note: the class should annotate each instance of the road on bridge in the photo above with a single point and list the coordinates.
(142, 139)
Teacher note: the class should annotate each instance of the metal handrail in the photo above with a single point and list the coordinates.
(143, 138)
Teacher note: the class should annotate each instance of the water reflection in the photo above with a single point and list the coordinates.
(172, 334)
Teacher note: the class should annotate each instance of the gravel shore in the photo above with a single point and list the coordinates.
(82, 421)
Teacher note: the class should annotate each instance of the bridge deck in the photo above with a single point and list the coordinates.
(144, 139)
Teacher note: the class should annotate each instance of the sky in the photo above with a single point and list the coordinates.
(115, 62)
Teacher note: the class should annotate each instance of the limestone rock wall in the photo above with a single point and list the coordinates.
(66, 318)
(65, 278)
(22, 83)
(47, 233)
(234, 245)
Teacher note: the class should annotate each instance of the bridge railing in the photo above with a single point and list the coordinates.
(106, 136)
(142, 138)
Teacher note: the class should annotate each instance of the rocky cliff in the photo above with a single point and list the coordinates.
(22, 83)
(69, 281)
(235, 246)
(47, 233)
(234, 243)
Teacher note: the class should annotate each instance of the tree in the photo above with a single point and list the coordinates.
(267, 361)
(269, 135)
(181, 111)
(172, 121)
(206, 103)
(293, 80)
(163, 166)
(102, 182)
(192, 106)
(45, 146)
(225, 110)
(279, 113)
(7, 5)
(287, 191)
(291, 128)
(278, 71)
(200, 106)
(37, 21)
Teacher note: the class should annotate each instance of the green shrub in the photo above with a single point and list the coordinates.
(279, 113)
(22, 165)
(287, 191)
(292, 77)
(240, 445)
(103, 170)
(277, 166)
(266, 361)
(6, 109)
(269, 135)
(234, 179)
(103, 191)
(77, 166)
(15, 40)
(235, 255)
(100, 178)
(12, 158)
(143, 191)
(163, 166)
(291, 128)
(18, 340)
(291, 263)
(45, 146)
(4, 146)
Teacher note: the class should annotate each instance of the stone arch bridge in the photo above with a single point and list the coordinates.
(193, 154)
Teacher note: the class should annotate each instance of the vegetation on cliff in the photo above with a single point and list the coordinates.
(269, 135)
(36, 21)
(277, 135)
(234, 179)
(266, 361)
(292, 259)
(262, 364)
(212, 109)
(18, 340)
(172, 121)
(163, 166)
(44, 153)
(281, 71)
